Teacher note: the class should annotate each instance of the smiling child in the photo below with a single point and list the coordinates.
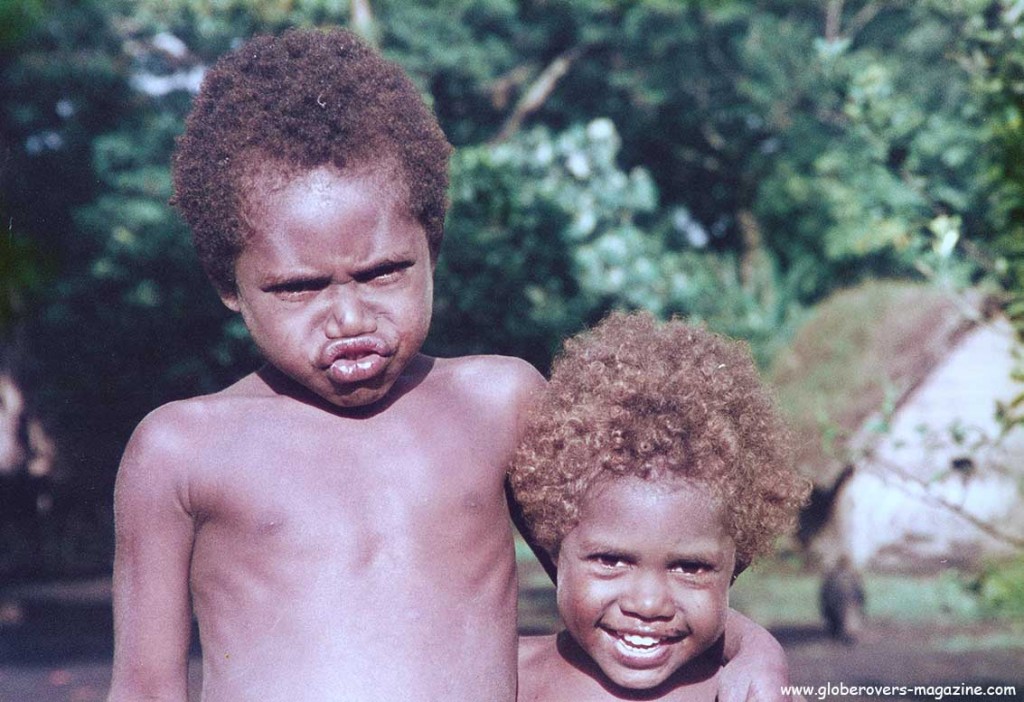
(653, 471)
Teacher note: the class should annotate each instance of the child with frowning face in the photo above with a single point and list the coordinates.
(653, 471)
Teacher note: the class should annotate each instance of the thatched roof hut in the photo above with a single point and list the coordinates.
(892, 389)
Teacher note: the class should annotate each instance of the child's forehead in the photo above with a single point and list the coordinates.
(263, 177)
(612, 495)
(261, 185)
(680, 515)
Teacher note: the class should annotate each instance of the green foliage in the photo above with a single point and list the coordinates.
(1000, 588)
(731, 162)
(547, 233)
(875, 159)
(17, 17)
(21, 274)
(117, 314)
(542, 233)
(210, 27)
(458, 51)
(156, 331)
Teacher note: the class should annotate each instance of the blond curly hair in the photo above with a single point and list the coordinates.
(657, 400)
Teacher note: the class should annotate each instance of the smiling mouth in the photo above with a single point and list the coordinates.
(641, 645)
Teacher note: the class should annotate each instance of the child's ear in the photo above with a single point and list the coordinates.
(229, 298)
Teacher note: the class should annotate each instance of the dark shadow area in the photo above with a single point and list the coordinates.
(538, 612)
(54, 530)
(58, 626)
(801, 635)
(47, 633)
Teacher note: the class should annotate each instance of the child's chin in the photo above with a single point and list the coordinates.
(362, 399)
(361, 396)
(637, 679)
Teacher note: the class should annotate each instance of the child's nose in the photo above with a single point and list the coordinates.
(348, 315)
(648, 596)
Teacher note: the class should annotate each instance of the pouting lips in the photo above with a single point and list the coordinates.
(353, 349)
(355, 360)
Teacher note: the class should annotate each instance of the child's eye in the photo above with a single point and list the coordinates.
(384, 274)
(296, 289)
(693, 567)
(610, 560)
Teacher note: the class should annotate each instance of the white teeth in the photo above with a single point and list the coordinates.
(640, 641)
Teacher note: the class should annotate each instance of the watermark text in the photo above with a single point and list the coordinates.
(936, 692)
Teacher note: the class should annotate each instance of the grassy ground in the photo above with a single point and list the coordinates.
(777, 597)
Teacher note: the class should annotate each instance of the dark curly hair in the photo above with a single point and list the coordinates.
(636, 397)
(288, 104)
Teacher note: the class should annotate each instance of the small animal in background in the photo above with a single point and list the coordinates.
(842, 601)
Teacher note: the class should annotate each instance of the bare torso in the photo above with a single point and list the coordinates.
(342, 558)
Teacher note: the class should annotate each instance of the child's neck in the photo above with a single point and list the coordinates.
(281, 384)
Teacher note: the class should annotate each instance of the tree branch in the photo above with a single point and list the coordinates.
(985, 527)
(538, 93)
(833, 19)
(504, 85)
(863, 17)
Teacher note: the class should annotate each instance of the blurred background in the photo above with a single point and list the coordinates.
(839, 183)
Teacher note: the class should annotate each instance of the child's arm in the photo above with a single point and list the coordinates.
(756, 668)
(152, 612)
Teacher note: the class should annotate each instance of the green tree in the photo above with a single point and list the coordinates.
(993, 54)
(730, 161)
(124, 321)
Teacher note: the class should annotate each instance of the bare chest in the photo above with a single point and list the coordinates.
(349, 489)
(310, 547)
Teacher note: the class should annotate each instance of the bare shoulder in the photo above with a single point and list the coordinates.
(154, 469)
(182, 425)
(534, 651)
(172, 439)
(175, 427)
(497, 369)
(494, 393)
(163, 432)
(503, 380)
